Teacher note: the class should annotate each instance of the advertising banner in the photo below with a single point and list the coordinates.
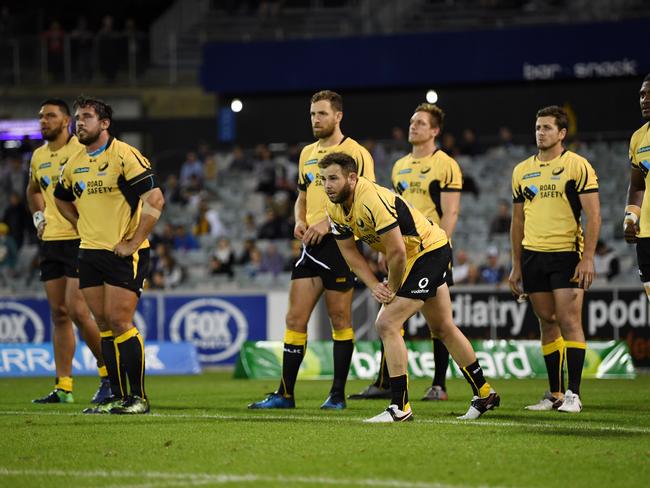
(161, 358)
(499, 359)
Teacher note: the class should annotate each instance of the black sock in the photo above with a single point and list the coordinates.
(130, 348)
(115, 375)
(441, 363)
(383, 378)
(342, 352)
(474, 376)
(399, 391)
(575, 360)
(291, 360)
(554, 359)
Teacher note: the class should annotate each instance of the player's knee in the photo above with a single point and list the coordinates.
(340, 320)
(442, 330)
(295, 322)
(385, 327)
(59, 314)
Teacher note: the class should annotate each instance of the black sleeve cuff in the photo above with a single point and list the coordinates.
(63, 193)
(387, 228)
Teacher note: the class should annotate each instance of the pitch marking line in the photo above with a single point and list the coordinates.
(478, 423)
(158, 479)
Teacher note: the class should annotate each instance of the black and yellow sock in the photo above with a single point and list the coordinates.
(473, 373)
(130, 351)
(383, 377)
(103, 372)
(440, 362)
(399, 392)
(115, 373)
(63, 383)
(342, 352)
(295, 344)
(575, 360)
(554, 358)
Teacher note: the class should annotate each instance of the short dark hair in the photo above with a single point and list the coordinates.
(59, 102)
(336, 100)
(436, 113)
(560, 115)
(103, 109)
(647, 78)
(345, 161)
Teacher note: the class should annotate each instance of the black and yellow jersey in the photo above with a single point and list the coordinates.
(550, 193)
(309, 174)
(376, 210)
(640, 159)
(44, 169)
(421, 181)
(105, 185)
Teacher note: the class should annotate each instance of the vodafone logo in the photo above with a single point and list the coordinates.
(20, 324)
(215, 326)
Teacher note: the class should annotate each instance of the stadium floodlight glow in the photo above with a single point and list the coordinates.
(432, 96)
(236, 105)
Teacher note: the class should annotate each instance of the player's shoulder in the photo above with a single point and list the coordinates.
(308, 150)
(523, 165)
(402, 161)
(575, 158)
(353, 146)
(40, 152)
(640, 133)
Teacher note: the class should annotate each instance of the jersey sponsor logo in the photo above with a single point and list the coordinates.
(402, 186)
(85, 169)
(217, 328)
(79, 188)
(530, 192)
(558, 170)
(644, 166)
(311, 161)
(643, 149)
(549, 191)
(44, 181)
(531, 175)
(425, 170)
(45, 165)
(20, 324)
(97, 186)
(404, 171)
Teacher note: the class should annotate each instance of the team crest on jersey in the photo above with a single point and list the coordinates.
(530, 192)
(531, 175)
(425, 170)
(63, 161)
(558, 170)
(79, 188)
(103, 166)
(45, 165)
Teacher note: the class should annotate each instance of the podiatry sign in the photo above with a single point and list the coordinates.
(499, 359)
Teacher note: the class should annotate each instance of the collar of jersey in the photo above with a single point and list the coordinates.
(97, 152)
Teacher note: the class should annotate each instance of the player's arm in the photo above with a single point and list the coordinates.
(300, 215)
(450, 203)
(516, 237)
(64, 198)
(153, 202)
(584, 272)
(395, 257)
(635, 193)
(36, 204)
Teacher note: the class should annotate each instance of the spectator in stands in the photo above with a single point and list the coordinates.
(448, 144)
(265, 169)
(492, 272)
(108, 49)
(183, 240)
(173, 191)
(223, 258)
(465, 272)
(274, 227)
(8, 254)
(247, 253)
(272, 261)
(210, 166)
(208, 222)
(158, 251)
(192, 166)
(54, 38)
(169, 275)
(501, 222)
(14, 175)
(249, 227)
(469, 145)
(165, 236)
(81, 42)
(606, 263)
(238, 161)
(252, 267)
(17, 217)
(296, 253)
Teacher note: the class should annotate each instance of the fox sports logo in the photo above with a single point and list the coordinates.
(20, 324)
(216, 327)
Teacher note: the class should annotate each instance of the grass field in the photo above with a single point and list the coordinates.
(201, 434)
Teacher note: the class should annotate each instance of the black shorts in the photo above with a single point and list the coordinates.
(98, 267)
(428, 272)
(325, 261)
(643, 258)
(548, 271)
(58, 259)
(449, 277)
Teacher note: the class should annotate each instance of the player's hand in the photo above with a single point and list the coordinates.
(382, 264)
(299, 229)
(515, 282)
(382, 293)
(125, 249)
(40, 230)
(630, 232)
(584, 273)
(316, 232)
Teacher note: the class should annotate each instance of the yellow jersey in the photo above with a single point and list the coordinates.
(376, 210)
(309, 174)
(421, 181)
(44, 169)
(101, 184)
(550, 193)
(640, 159)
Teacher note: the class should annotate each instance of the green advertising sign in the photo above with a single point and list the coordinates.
(499, 359)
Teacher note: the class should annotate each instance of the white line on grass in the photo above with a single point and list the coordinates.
(157, 479)
(493, 422)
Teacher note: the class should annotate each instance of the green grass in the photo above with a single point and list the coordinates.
(201, 434)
